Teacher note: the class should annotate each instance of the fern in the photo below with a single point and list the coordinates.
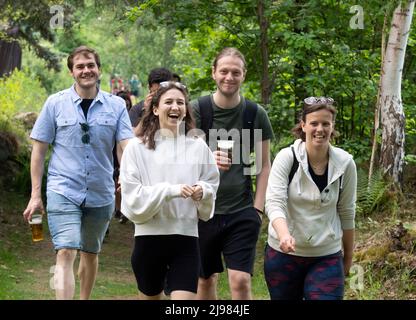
(370, 194)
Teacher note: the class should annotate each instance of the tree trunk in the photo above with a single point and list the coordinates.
(301, 66)
(10, 53)
(391, 107)
(264, 52)
(374, 148)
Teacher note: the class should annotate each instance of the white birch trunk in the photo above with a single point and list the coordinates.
(391, 107)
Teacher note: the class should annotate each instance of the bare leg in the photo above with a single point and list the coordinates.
(182, 295)
(207, 288)
(240, 285)
(64, 280)
(87, 271)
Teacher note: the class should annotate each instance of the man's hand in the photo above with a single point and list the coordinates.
(148, 100)
(34, 205)
(223, 162)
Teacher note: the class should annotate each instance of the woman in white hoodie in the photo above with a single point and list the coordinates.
(310, 202)
(168, 182)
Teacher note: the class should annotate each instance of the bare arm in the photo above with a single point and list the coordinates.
(287, 242)
(121, 145)
(36, 172)
(348, 244)
(263, 176)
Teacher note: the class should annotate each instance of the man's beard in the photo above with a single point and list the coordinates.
(228, 94)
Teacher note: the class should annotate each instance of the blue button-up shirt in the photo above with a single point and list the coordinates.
(82, 171)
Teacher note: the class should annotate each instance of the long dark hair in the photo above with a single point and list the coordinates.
(149, 124)
(310, 105)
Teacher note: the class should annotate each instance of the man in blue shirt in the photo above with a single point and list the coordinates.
(83, 124)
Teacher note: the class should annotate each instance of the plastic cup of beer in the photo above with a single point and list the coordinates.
(227, 147)
(36, 226)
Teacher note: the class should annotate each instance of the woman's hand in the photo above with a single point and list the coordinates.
(197, 195)
(287, 244)
(186, 191)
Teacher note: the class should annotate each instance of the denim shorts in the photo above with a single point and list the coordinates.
(76, 227)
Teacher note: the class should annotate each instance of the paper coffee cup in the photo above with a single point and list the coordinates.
(226, 146)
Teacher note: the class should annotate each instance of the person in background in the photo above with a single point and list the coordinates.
(83, 124)
(117, 155)
(234, 230)
(168, 181)
(155, 77)
(116, 84)
(311, 211)
(176, 77)
(135, 85)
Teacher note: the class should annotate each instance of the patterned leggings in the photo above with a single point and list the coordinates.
(290, 277)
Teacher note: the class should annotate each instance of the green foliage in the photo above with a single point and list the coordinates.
(53, 81)
(22, 182)
(359, 148)
(371, 195)
(410, 159)
(20, 93)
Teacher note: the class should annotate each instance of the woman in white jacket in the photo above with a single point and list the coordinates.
(311, 212)
(168, 182)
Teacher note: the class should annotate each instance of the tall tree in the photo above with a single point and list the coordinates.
(391, 105)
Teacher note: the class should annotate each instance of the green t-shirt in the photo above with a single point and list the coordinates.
(232, 194)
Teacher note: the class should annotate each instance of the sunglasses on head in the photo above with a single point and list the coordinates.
(85, 128)
(166, 84)
(318, 100)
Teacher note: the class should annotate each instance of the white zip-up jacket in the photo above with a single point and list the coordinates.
(315, 219)
(151, 185)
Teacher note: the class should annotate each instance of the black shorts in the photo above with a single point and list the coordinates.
(235, 236)
(174, 257)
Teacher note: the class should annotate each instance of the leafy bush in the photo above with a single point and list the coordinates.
(20, 93)
(22, 182)
(53, 81)
(371, 195)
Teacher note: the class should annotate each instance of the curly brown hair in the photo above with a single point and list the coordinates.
(149, 124)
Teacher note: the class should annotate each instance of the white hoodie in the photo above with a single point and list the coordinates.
(315, 219)
(151, 185)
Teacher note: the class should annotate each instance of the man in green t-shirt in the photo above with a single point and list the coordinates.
(234, 229)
